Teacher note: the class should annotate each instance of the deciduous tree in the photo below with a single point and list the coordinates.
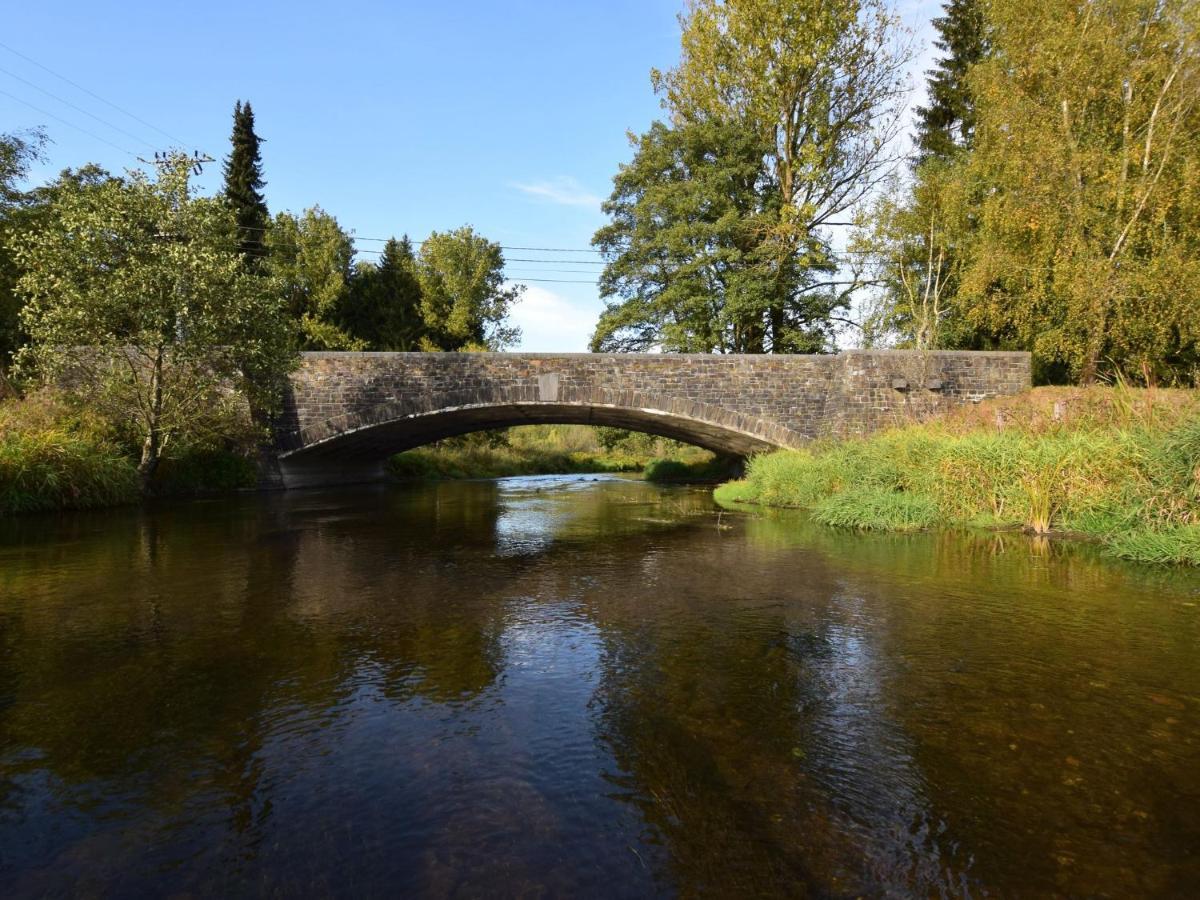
(311, 257)
(464, 298)
(138, 300)
(17, 151)
(1086, 167)
(690, 267)
(821, 84)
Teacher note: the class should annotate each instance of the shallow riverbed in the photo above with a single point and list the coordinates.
(566, 686)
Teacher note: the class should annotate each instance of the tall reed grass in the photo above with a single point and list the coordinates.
(1117, 464)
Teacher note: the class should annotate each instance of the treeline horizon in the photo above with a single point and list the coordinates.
(1050, 203)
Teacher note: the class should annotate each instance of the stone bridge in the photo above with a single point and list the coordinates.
(346, 413)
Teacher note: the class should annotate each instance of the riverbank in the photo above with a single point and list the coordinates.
(1116, 465)
(558, 450)
(55, 456)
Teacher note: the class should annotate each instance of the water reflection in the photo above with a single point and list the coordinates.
(577, 687)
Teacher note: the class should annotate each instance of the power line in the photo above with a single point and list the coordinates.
(91, 93)
(91, 134)
(65, 102)
(553, 280)
(564, 271)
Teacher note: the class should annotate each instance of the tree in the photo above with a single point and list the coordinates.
(821, 84)
(311, 256)
(244, 183)
(908, 239)
(137, 299)
(1085, 167)
(383, 306)
(17, 151)
(464, 301)
(947, 124)
(690, 259)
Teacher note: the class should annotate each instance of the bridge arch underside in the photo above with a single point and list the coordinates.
(354, 448)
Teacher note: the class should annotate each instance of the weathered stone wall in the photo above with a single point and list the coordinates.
(368, 405)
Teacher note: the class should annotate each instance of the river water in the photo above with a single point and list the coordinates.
(577, 687)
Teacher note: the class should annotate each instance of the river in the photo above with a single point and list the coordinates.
(574, 687)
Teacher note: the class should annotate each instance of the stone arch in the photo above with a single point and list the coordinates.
(353, 445)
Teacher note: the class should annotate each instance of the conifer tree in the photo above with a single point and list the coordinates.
(244, 183)
(384, 304)
(948, 122)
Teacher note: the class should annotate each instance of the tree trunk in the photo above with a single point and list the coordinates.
(777, 327)
(152, 445)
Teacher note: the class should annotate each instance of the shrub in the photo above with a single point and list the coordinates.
(54, 458)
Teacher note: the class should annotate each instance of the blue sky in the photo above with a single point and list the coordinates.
(394, 117)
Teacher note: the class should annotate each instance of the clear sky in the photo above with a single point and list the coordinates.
(394, 117)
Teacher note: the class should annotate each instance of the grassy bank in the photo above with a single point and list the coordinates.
(1118, 465)
(556, 450)
(56, 456)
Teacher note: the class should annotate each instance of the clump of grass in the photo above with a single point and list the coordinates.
(1178, 545)
(877, 510)
(54, 458)
(733, 492)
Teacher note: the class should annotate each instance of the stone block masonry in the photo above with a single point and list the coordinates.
(347, 412)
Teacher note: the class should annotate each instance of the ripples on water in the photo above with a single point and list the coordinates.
(583, 687)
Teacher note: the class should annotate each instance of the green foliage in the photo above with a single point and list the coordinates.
(947, 124)
(501, 462)
(1177, 545)
(383, 306)
(556, 449)
(1082, 185)
(818, 86)
(58, 454)
(1132, 480)
(704, 470)
(17, 151)
(877, 510)
(51, 459)
(310, 258)
(138, 300)
(688, 263)
(244, 184)
(638, 443)
(464, 301)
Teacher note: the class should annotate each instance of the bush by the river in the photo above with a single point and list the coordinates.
(57, 455)
(55, 458)
(1115, 464)
(702, 468)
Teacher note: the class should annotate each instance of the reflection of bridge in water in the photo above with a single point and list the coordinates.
(346, 413)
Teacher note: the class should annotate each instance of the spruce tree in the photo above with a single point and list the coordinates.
(383, 307)
(244, 183)
(948, 122)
